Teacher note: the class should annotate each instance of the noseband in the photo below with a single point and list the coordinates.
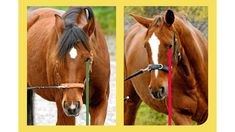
(66, 85)
(61, 86)
(161, 67)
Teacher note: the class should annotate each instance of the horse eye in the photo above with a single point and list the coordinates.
(186, 112)
(87, 59)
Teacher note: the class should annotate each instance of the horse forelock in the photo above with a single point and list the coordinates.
(72, 34)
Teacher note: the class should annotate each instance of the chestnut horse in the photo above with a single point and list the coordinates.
(59, 44)
(147, 42)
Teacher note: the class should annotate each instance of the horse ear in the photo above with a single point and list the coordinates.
(32, 20)
(170, 17)
(142, 20)
(59, 26)
(90, 26)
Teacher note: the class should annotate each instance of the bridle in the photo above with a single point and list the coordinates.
(61, 86)
(88, 64)
(161, 67)
(67, 85)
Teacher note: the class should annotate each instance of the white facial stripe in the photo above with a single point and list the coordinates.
(73, 53)
(154, 45)
(72, 106)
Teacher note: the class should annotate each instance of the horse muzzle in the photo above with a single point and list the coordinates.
(159, 94)
(73, 109)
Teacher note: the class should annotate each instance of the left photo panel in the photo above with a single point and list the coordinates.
(71, 65)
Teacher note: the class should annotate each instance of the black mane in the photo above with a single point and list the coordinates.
(73, 34)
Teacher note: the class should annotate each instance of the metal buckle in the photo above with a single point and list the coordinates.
(161, 66)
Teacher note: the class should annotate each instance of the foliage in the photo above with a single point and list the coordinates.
(105, 16)
(193, 12)
(197, 15)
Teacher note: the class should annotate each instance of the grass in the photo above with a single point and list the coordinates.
(148, 116)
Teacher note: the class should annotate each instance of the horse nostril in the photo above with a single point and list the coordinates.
(159, 94)
(78, 105)
(162, 90)
(64, 105)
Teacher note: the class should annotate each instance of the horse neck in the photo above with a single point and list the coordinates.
(193, 47)
(53, 64)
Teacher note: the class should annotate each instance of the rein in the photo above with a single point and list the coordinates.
(169, 54)
(149, 68)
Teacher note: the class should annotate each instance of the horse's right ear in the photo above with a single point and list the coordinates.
(142, 20)
(89, 28)
(59, 26)
(170, 17)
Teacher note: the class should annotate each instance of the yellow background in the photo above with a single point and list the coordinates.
(208, 126)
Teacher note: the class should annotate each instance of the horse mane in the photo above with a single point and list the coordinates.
(194, 46)
(195, 40)
(73, 34)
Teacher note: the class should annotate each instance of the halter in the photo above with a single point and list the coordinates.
(88, 64)
(62, 85)
(68, 85)
(161, 67)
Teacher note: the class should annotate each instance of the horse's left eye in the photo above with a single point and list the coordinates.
(186, 112)
(87, 59)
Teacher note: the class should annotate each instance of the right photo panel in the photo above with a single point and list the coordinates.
(165, 65)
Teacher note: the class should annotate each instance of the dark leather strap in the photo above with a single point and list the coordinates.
(149, 68)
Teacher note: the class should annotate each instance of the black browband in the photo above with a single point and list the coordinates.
(161, 67)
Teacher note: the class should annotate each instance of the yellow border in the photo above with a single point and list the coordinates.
(210, 125)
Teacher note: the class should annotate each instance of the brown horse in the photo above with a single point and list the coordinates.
(146, 43)
(59, 43)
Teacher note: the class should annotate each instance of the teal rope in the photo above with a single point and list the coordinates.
(87, 92)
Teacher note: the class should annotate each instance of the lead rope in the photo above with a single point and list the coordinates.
(87, 92)
(169, 87)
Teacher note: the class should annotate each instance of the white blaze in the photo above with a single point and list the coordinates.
(73, 53)
(154, 45)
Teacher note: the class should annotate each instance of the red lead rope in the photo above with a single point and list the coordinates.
(169, 87)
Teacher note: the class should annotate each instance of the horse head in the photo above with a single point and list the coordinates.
(168, 31)
(157, 40)
(72, 50)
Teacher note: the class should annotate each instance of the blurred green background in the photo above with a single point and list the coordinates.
(105, 16)
(197, 15)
